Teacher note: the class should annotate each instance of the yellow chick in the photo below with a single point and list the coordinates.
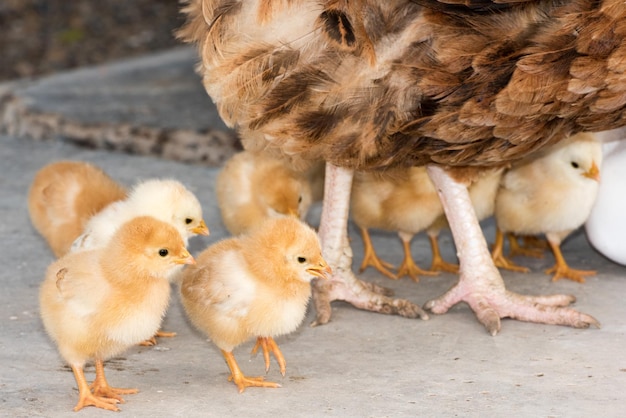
(167, 200)
(551, 194)
(483, 196)
(254, 186)
(96, 303)
(254, 285)
(64, 195)
(405, 201)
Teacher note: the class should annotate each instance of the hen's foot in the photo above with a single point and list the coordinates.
(242, 381)
(492, 302)
(344, 286)
(268, 345)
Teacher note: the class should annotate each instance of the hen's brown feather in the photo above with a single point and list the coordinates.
(375, 84)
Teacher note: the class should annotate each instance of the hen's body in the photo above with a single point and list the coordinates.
(371, 85)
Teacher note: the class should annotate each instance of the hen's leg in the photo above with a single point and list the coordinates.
(408, 266)
(480, 284)
(561, 269)
(370, 258)
(343, 285)
(268, 345)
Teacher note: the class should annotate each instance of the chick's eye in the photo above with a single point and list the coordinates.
(301, 260)
(188, 221)
(299, 199)
(575, 164)
(163, 252)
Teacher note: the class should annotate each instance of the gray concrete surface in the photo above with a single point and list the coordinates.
(359, 365)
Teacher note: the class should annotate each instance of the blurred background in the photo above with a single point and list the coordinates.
(41, 37)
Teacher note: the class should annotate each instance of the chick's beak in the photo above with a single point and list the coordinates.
(593, 173)
(201, 229)
(293, 212)
(185, 258)
(322, 270)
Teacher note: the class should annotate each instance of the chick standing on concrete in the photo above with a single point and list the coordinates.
(64, 195)
(551, 194)
(166, 200)
(96, 303)
(254, 285)
(254, 186)
(404, 201)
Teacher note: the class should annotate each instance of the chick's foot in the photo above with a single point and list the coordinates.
(561, 270)
(100, 387)
(268, 345)
(370, 258)
(242, 381)
(153, 340)
(86, 398)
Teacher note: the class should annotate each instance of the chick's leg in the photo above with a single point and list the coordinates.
(408, 266)
(343, 285)
(268, 345)
(561, 269)
(370, 258)
(153, 340)
(438, 263)
(242, 381)
(480, 284)
(497, 255)
(531, 248)
(100, 386)
(86, 398)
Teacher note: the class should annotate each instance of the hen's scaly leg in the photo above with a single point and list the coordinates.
(100, 386)
(268, 345)
(86, 398)
(438, 263)
(242, 381)
(480, 284)
(408, 266)
(561, 270)
(370, 258)
(343, 285)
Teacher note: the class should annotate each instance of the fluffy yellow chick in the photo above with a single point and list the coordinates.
(96, 303)
(483, 196)
(64, 195)
(405, 201)
(254, 285)
(254, 186)
(167, 200)
(551, 194)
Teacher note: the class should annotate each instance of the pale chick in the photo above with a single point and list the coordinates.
(404, 201)
(254, 186)
(96, 303)
(254, 285)
(551, 194)
(64, 195)
(167, 200)
(482, 193)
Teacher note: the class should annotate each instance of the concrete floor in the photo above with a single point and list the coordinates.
(360, 364)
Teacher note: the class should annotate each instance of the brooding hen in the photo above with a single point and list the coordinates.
(371, 85)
